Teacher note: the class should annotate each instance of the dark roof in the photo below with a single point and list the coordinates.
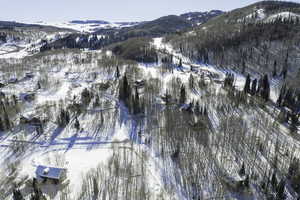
(49, 172)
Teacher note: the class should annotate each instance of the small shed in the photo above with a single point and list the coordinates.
(51, 174)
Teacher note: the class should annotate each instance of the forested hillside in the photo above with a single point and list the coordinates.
(201, 106)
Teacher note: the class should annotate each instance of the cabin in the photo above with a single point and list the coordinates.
(50, 174)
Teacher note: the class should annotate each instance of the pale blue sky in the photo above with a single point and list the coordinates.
(111, 10)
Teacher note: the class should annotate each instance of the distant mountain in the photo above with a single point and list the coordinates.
(167, 24)
(88, 26)
(198, 18)
(121, 31)
(89, 22)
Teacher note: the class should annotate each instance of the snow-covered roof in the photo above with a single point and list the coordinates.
(49, 172)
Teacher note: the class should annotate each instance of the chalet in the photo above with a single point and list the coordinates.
(50, 174)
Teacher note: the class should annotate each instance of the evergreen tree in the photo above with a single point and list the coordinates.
(77, 124)
(275, 69)
(247, 182)
(2, 128)
(125, 90)
(280, 190)
(180, 63)
(242, 171)
(7, 121)
(136, 102)
(182, 97)
(38, 86)
(197, 108)
(117, 72)
(17, 195)
(191, 81)
(265, 88)
(294, 122)
(274, 180)
(95, 188)
(279, 100)
(247, 84)
(253, 87)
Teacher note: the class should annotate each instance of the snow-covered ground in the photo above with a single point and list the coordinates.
(96, 144)
(22, 48)
(283, 16)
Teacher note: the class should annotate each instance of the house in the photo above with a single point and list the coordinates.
(50, 174)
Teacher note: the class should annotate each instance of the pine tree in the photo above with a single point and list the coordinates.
(77, 124)
(180, 63)
(247, 84)
(17, 195)
(117, 72)
(191, 81)
(247, 181)
(279, 100)
(2, 128)
(125, 90)
(242, 170)
(265, 88)
(197, 108)
(253, 87)
(95, 188)
(136, 102)
(182, 97)
(38, 86)
(7, 121)
(294, 123)
(280, 190)
(274, 180)
(275, 69)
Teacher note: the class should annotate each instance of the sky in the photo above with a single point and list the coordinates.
(109, 10)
